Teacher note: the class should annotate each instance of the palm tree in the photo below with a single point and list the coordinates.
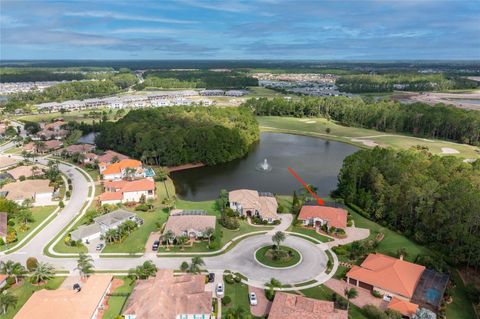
(84, 264)
(169, 202)
(209, 233)
(195, 265)
(350, 294)
(7, 300)
(277, 238)
(12, 269)
(110, 235)
(24, 216)
(168, 236)
(130, 173)
(42, 272)
(143, 271)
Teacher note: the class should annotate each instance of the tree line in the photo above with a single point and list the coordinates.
(171, 136)
(368, 83)
(431, 199)
(419, 119)
(198, 79)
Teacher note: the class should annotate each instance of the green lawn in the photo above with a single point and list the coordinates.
(263, 258)
(316, 127)
(324, 293)
(26, 289)
(461, 307)
(39, 215)
(135, 242)
(392, 240)
(309, 232)
(239, 294)
(76, 116)
(115, 302)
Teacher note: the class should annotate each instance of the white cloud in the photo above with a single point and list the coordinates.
(121, 16)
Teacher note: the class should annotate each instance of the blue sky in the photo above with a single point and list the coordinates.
(266, 29)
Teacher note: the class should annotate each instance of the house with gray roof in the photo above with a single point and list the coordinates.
(102, 224)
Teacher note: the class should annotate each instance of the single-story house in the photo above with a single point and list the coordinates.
(47, 134)
(3, 226)
(122, 191)
(68, 303)
(27, 171)
(48, 146)
(6, 162)
(406, 308)
(166, 296)
(392, 277)
(101, 225)
(37, 190)
(119, 170)
(322, 215)
(76, 149)
(251, 203)
(289, 306)
(192, 226)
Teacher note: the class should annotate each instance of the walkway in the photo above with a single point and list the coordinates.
(364, 296)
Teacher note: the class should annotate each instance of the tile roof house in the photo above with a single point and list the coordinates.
(166, 296)
(3, 225)
(289, 306)
(323, 215)
(252, 203)
(106, 158)
(192, 226)
(38, 190)
(101, 225)
(122, 191)
(48, 146)
(64, 303)
(406, 308)
(27, 171)
(390, 276)
(6, 162)
(120, 169)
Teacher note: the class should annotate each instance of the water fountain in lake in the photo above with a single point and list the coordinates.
(264, 166)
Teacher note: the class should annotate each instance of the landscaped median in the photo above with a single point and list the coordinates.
(278, 256)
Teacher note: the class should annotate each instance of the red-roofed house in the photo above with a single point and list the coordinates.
(123, 191)
(406, 308)
(323, 215)
(390, 276)
(119, 170)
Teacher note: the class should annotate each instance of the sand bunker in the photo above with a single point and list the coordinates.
(310, 122)
(448, 150)
(368, 143)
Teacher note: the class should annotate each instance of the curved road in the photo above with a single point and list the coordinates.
(238, 259)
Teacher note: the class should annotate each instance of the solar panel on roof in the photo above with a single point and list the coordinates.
(193, 212)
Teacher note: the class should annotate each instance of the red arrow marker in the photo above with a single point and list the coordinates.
(319, 200)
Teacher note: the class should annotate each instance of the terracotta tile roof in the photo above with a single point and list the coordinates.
(54, 125)
(288, 306)
(6, 161)
(26, 171)
(107, 196)
(108, 156)
(79, 148)
(3, 277)
(404, 307)
(3, 224)
(388, 273)
(22, 190)
(65, 303)
(116, 168)
(251, 200)
(165, 296)
(138, 185)
(336, 217)
(179, 224)
(268, 207)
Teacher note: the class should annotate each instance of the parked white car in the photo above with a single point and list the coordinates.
(220, 291)
(253, 299)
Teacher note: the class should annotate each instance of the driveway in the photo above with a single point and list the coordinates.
(364, 296)
(153, 236)
(263, 306)
(353, 234)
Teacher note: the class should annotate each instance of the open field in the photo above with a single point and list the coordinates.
(25, 289)
(359, 136)
(469, 99)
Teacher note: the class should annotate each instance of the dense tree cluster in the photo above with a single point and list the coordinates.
(419, 119)
(365, 83)
(178, 135)
(198, 79)
(431, 199)
(38, 74)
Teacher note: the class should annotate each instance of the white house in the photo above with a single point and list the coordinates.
(123, 191)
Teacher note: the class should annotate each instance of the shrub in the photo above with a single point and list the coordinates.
(68, 194)
(142, 208)
(276, 222)
(237, 278)
(184, 266)
(2, 242)
(229, 279)
(11, 223)
(373, 312)
(376, 294)
(10, 281)
(226, 300)
(22, 178)
(473, 293)
(340, 250)
(393, 314)
(270, 294)
(213, 245)
(31, 263)
(61, 204)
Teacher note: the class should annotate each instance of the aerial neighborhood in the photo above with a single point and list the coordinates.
(211, 159)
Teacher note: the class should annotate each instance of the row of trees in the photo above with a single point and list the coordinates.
(179, 135)
(198, 79)
(440, 121)
(433, 200)
(365, 83)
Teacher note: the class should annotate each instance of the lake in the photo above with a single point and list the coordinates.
(87, 138)
(315, 160)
